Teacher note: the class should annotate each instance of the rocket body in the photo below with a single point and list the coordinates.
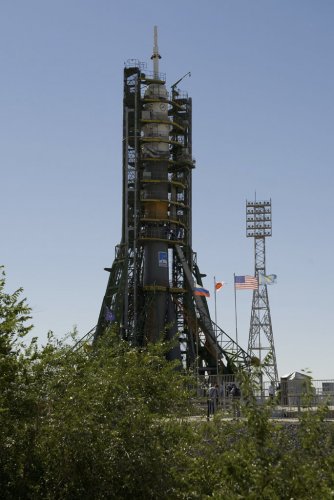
(155, 154)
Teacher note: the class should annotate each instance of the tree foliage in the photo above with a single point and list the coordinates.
(113, 422)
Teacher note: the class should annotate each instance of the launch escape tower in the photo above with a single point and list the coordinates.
(261, 339)
(150, 291)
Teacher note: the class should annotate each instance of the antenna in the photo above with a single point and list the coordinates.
(156, 56)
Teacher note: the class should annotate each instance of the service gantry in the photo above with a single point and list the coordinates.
(261, 338)
(150, 291)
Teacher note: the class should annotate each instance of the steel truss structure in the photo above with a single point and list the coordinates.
(261, 338)
(150, 291)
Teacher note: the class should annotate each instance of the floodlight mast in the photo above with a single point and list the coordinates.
(261, 338)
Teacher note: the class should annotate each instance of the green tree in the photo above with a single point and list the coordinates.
(114, 422)
(94, 423)
(107, 422)
(14, 314)
(259, 458)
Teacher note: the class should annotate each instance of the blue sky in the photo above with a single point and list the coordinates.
(262, 87)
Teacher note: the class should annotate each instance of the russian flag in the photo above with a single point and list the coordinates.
(199, 290)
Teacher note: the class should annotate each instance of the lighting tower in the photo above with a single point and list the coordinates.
(150, 291)
(261, 339)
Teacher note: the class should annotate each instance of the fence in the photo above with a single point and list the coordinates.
(289, 397)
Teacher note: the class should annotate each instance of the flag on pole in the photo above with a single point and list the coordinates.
(202, 292)
(219, 285)
(246, 283)
(269, 279)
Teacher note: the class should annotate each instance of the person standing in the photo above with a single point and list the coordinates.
(235, 394)
(213, 398)
(271, 391)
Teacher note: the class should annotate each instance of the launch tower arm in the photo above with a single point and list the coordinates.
(204, 318)
(234, 354)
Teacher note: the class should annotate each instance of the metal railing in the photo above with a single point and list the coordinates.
(289, 399)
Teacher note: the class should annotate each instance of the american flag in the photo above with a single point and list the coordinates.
(246, 283)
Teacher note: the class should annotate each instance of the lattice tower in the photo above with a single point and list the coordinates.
(261, 338)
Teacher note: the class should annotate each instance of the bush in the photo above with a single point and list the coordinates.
(115, 422)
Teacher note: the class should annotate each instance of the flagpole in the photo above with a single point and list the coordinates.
(214, 287)
(197, 350)
(235, 309)
(216, 329)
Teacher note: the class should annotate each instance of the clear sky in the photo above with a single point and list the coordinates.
(263, 117)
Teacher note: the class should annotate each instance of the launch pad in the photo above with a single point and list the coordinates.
(151, 291)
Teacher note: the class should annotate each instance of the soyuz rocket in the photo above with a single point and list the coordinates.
(155, 148)
(150, 294)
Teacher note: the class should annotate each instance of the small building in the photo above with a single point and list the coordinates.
(328, 392)
(294, 386)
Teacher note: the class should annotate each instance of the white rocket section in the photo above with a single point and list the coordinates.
(156, 111)
(155, 56)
